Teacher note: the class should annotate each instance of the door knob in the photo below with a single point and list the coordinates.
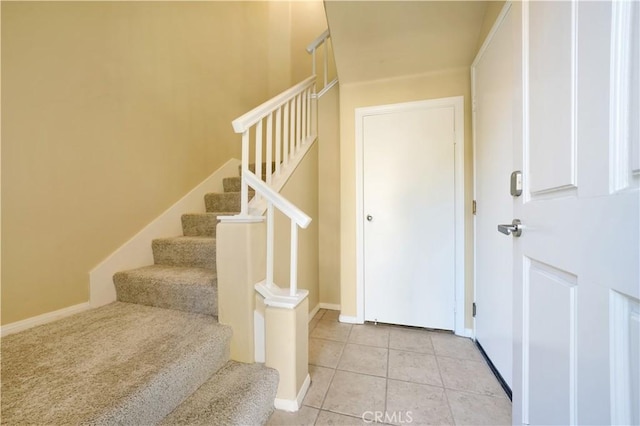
(515, 228)
(369, 217)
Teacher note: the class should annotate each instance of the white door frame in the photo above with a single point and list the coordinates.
(457, 102)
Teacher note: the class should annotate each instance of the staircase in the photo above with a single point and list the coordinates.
(157, 355)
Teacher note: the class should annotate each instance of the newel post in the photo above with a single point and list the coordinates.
(241, 263)
(287, 350)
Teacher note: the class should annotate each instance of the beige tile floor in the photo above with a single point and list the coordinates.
(364, 374)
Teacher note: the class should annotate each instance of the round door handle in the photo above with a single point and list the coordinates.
(369, 217)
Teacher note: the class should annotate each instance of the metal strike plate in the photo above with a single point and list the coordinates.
(516, 183)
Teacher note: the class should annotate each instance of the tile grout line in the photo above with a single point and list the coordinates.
(444, 389)
(335, 370)
(437, 358)
(386, 381)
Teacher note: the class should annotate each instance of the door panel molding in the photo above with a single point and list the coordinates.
(624, 332)
(456, 102)
(550, 323)
(550, 74)
(624, 151)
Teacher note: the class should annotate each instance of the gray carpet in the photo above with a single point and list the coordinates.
(201, 224)
(135, 363)
(183, 276)
(239, 394)
(171, 287)
(119, 364)
(194, 252)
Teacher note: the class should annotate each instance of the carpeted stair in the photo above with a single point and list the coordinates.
(183, 276)
(156, 355)
(235, 395)
(119, 364)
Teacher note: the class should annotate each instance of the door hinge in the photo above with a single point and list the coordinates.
(474, 309)
(474, 207)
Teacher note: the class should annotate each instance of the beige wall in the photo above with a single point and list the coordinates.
(308, 22)
(413, 88)
(329, 196)
(111, 111)
(302, 191)
(491, 13)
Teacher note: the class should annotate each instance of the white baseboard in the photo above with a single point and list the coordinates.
(293, 405)
(330, 306)
(349, 319)
(136, 252)
(467, 332)
(25, 324)
(314, 311)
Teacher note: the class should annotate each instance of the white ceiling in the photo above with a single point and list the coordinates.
(385, 39)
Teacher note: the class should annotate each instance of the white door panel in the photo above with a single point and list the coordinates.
(493, 95)
(576, 265)
(551, 63)
(551, 341)
(408, 187)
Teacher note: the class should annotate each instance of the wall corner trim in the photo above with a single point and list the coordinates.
(314, 311)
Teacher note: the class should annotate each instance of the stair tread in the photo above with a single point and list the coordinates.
(171, 287)
(238, 394)
(210, 214)
(187, 239)
(119, 364)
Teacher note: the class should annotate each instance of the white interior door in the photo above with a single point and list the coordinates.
(493, 94)
(408, 199)
(576, 298)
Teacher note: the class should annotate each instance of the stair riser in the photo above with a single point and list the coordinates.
(232, 184)
(238, 394)
(199, 225)
(226, 202)
(195, 254)
(252, 168)
(199, 299)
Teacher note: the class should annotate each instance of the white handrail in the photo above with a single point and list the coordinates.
(318, 41)
(283, 142)
(298, 219)
(282, 129)
(278, 201)
(323, 41)
(247, 120)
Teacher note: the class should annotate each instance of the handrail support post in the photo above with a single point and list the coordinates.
(293, 281)
(270, 238)
(244, 188)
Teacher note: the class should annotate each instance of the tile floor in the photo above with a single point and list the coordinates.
(364, 374)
